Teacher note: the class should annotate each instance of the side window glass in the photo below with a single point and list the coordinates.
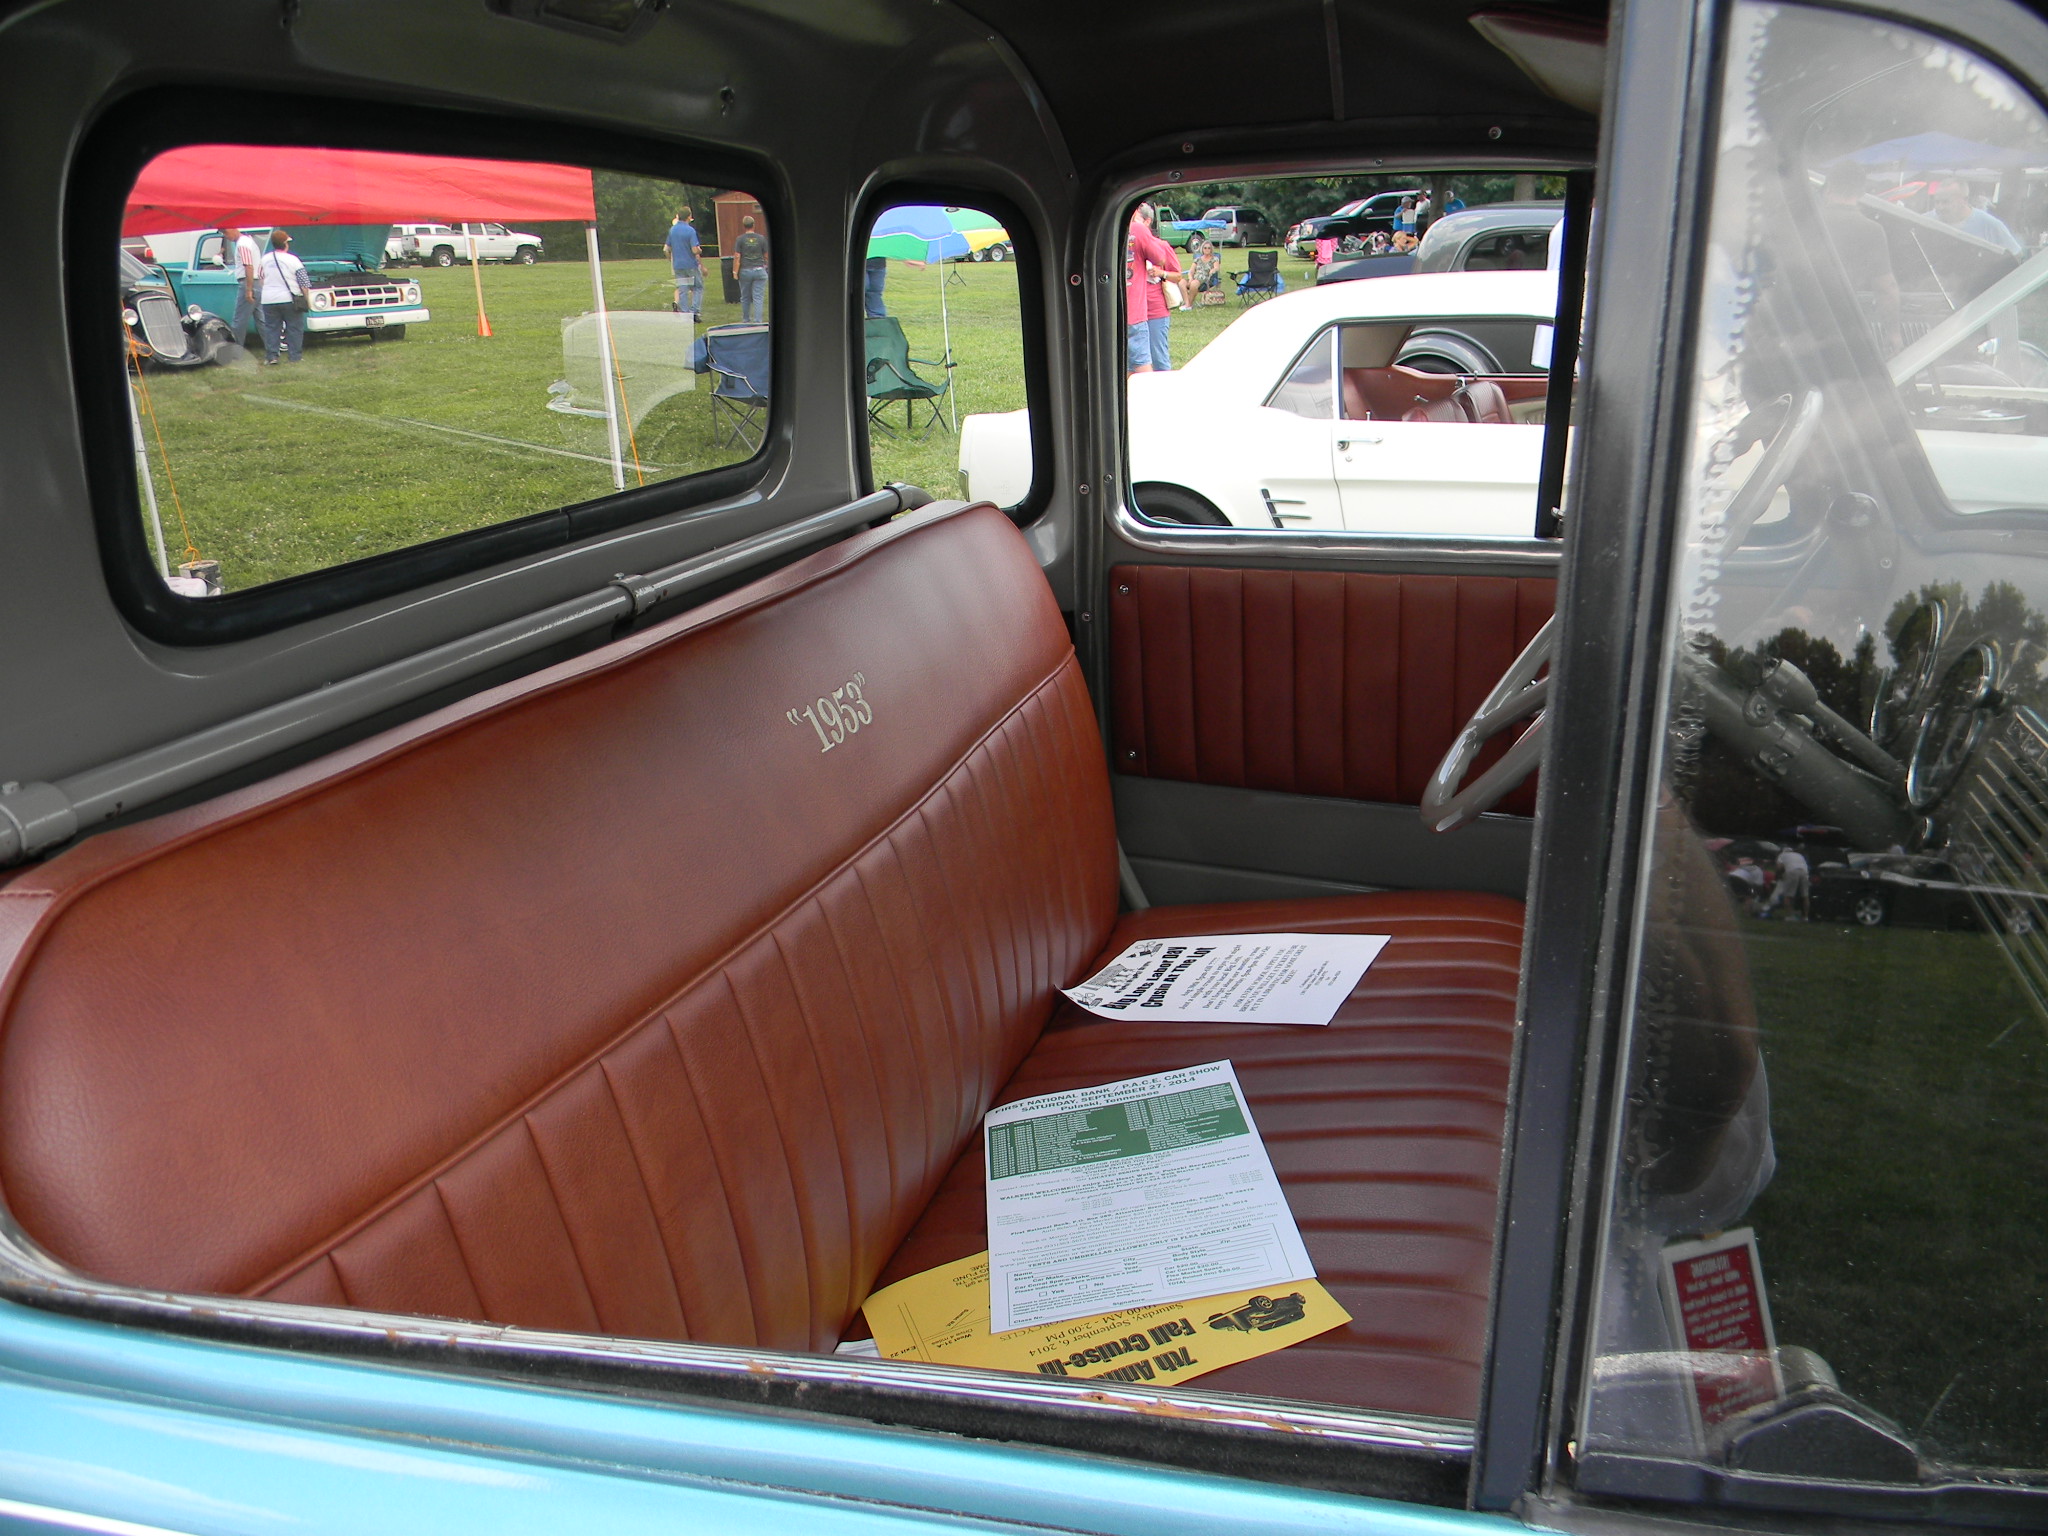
(319, 374)
(1822, 1252)
(1309, 390)
(942, 368)
(1453, 372)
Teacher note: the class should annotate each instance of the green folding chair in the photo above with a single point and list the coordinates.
(891, 378)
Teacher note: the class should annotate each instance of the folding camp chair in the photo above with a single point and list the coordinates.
(890, 378)
(738, 354)
(1261, 280)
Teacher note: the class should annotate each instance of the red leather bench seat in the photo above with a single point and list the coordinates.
(1384, 1127)
(620, 999)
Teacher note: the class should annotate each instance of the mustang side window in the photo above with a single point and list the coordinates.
(1343, 378)
(336, 354)
(943, 364)
(1823, 1258)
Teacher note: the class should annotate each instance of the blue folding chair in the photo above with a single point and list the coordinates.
(739, 356)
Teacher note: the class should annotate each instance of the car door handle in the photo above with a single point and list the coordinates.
(1346, 442)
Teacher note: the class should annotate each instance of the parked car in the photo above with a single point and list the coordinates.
(1240, 225)
(1358, 218)
(1262, 430)
(446, 244)
(348, 293)
(160, 335)
(1923, 890)
(1499, 237)
(1176, 231)
(402, 244)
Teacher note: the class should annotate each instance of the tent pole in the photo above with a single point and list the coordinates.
(604, 363)
(946, 333)
(156, 522)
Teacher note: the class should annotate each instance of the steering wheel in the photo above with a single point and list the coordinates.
(1449, 803)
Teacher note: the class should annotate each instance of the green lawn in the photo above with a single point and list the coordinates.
(364, 448)
(1903, 1236)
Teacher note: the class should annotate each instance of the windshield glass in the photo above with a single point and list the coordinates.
(1822, 1256)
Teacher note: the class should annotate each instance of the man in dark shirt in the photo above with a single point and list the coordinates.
(750, 263)
(1865, 254)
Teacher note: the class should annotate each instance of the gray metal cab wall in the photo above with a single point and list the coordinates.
(832, 104)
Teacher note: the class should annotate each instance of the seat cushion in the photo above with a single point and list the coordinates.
(1385, 1129)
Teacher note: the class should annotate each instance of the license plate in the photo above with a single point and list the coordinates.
(373, 321)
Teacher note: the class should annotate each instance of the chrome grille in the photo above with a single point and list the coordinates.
(366, 295)
(161, 327)
(2000, 844)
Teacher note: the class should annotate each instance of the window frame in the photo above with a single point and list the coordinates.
(125, 138)
(1026, 257)
(1536, 552)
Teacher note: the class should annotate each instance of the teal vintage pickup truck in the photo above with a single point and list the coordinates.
(349, 292)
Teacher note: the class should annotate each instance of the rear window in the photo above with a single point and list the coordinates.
(338, 355)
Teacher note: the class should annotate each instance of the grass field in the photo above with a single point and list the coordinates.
(368, 447)
(1903, 1236)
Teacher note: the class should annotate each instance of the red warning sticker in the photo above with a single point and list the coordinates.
(1715, 1289)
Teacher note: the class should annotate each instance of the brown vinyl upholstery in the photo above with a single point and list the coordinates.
(614, 1000)
(1385, 1130)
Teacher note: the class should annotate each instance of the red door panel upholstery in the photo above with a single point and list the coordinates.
(1309, 682)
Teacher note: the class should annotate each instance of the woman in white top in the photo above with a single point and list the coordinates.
(283, 276)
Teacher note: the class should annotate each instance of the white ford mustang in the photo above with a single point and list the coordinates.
(1407, 405)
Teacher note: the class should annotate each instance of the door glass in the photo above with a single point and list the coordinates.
(318, 378)
(942, 377)
(1824, 1253)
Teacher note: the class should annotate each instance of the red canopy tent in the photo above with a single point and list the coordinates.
(208, 184)
(205, 185)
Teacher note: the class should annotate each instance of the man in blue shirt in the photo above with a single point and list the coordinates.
(683, 257)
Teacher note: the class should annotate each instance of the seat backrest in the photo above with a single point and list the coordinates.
(1485, 402)
(651, 994)
(1262, 266)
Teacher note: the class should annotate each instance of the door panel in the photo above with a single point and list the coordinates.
(1438, 477)
(1203, 842)
(1339, 684)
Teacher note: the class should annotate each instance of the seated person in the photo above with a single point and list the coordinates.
(1207, 271)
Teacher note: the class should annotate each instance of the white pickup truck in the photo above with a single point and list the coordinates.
(446, 244)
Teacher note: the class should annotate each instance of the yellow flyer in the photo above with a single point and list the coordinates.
(942, 1316)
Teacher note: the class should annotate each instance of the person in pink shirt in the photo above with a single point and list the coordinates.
(1147, 260)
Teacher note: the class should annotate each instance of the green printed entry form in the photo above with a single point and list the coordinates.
(1232, 978)
(1154, 1189)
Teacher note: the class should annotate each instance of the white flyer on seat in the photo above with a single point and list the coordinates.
(1232, 978)
(1154, 1189)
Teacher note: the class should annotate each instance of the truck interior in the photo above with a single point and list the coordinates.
(556, 901)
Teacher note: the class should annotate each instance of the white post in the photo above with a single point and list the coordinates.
(156, 522)
(604, 362)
